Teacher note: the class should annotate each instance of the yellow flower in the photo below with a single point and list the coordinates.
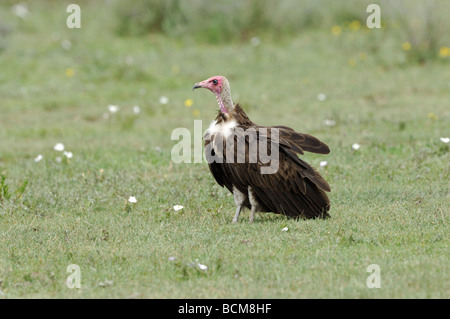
(336, 30)
(432, 116)
(355, 25)
(444, 52)
(196, 112)
(352, 62)
(175, 69)
(188, 102)
(406, 46)
(70, 72)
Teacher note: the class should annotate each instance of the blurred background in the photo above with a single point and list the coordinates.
(86, 117)
(299, 62)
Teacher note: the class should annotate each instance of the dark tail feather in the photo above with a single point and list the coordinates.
(300, 142)
(313, 204)
(317, 200)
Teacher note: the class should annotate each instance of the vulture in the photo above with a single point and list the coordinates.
(237, 151)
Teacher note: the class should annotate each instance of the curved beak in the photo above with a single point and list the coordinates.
(201, 84)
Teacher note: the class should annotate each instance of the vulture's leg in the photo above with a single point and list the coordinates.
(239, 199)
(252, 214)
(254, 203)
(236, 216)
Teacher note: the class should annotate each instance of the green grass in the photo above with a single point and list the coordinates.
(390, 198)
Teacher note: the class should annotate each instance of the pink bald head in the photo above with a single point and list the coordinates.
(214, 84)
(220, 86)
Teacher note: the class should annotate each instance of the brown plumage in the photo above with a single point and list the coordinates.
(294, 189)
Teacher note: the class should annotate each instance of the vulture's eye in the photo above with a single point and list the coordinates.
(214, 82)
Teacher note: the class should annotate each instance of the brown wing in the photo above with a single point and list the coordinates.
(295, 189)
(299, 142)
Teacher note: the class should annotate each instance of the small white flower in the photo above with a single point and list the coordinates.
(66, 44)
(129, 60)
(68, 154)
(20, 10)
(323, 163)
(171, 258)
(136, 109)
(255, 41)
(113, 108)
(132, 199)
(328, 122)
(445, 140)
(202, 267)
(38, 158)
(177, 207)
(163, 100)
(106, 283)
(356, 146)
(58, 159)
(321, 97)
(285, 229)
(59, 147)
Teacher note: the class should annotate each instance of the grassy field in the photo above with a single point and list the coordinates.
(344, 84)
